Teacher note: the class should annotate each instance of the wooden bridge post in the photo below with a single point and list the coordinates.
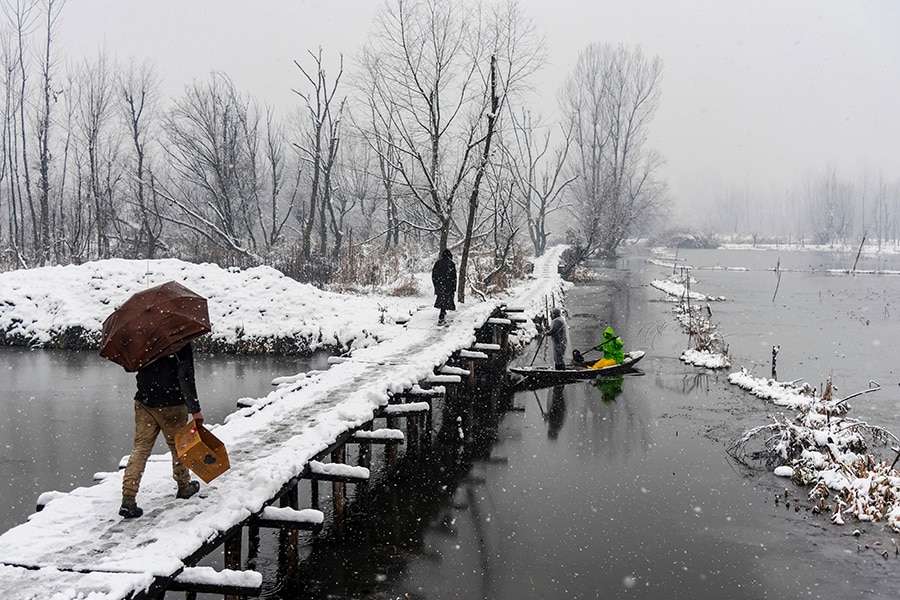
(391, 451)
(252, 545)
(314, 493)
(412, 434)
(338, 489)
(364, 459)
(233, 556)
(364, 454)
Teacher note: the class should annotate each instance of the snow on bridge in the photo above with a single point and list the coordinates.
(78, 546)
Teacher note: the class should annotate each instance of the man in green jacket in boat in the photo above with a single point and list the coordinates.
(611, 347)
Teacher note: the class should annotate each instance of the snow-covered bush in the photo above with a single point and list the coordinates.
(847, 463)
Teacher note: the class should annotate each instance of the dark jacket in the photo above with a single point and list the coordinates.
(169, 381)
(443, 276)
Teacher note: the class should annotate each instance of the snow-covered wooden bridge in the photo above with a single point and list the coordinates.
(78, 547)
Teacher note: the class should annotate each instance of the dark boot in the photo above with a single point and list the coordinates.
(186, 491)
(129, 508)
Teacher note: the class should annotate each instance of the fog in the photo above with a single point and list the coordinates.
(758, 99)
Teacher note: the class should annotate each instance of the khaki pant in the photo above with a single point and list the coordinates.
(148, 422)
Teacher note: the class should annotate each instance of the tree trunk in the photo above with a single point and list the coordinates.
(473, 198)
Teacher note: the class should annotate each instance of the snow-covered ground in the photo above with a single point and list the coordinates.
(395, 341)
(244, 305)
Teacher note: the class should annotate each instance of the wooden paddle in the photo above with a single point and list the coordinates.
(540, 341)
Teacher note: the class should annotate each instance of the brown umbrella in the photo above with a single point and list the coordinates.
(155, 322)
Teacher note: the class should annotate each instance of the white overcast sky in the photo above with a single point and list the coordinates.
(755, 94)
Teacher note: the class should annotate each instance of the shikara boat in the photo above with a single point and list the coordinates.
(545, 376)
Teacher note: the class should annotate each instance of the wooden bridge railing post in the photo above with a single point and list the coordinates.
(391, 451)
(233, 556)
(412, 434)
(338, 489)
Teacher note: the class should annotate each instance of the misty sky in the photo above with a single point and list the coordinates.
(756, 95)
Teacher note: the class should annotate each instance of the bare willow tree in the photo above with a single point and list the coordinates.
(11, 226)
(611, 97)
(50, 19)
(213, 144)
(357, 204)
(830, 205)
(435, 76)
(137, 98)
(537, 167)
(515, 54)
(21, 16)
(283, 173)
(421, 76)
(322, 123)
(98, 143)
(376, 130)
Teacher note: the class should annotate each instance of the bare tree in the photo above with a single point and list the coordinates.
(320, 148)
(11, 215)
(377, 133)
(282, 188)
(611, 97)
(99, 143)
(830, 207)
(436, 75)
(355, 200)
(52, 10)
(22, 16)
(421, 76)
(138, 90)
(537, 171)
(213, 145)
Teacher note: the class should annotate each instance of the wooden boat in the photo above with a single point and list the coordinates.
(550, 376)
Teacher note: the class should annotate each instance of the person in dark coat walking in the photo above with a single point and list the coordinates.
(443, 276)
(166, 393)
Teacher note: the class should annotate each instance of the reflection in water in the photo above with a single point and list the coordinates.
(556, 413)
(610, 388)
(688, 383)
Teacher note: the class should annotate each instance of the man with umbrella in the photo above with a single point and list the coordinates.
(151, 333)
(166, 393)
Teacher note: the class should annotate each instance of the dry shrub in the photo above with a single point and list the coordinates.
(371, 268)
(407, 286)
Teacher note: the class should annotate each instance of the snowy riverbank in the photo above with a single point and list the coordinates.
(253, 310)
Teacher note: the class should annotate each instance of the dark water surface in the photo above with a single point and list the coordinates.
(625, 490)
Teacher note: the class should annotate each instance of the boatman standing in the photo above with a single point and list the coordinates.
(557, 332)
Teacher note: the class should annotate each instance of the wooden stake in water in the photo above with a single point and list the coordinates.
(775, 350)
(858, 252)
(778, 278)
